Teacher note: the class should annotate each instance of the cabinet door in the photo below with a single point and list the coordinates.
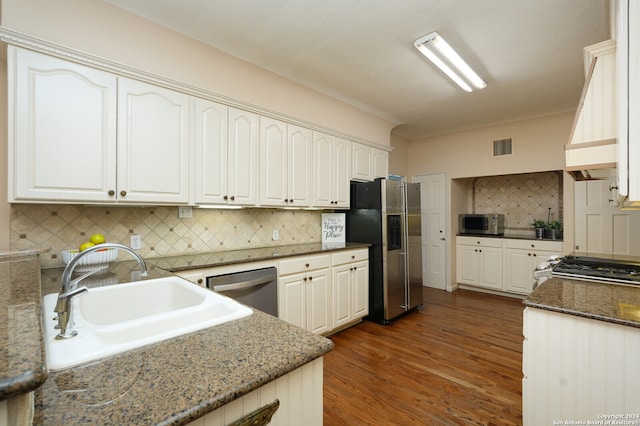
(318, 301)
(153, 143)
(380, 163)
(242, 158)
(273, 162)
(300, 166)
(490, 268)
(211, 135)
(292, 299)
(360, 285)
(341, 295)
(341, 173)
(62, 129)
(323, 165)
(468, 267)
(518, 270)
(361, 168)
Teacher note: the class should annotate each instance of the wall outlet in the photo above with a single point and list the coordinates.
(136, 242)
(185, 212)
(276, 235)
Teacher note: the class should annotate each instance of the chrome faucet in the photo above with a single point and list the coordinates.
(70, 290)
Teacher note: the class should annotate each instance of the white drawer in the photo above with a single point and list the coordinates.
(479, 241)
(303, 263)
(534, 245)
(349, 256)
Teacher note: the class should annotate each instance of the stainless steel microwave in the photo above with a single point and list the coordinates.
(481, 224)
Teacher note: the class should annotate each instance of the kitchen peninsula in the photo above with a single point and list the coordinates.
(172, 382)
(580, 351)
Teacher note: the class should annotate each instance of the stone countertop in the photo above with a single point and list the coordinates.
(511, 237)
(178, 380)
(615, 303)
(213, 259)
(23, 365)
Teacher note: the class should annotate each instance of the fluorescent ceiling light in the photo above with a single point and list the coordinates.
(444, 57)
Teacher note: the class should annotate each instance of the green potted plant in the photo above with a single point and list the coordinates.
(554, 229)
(540, 226)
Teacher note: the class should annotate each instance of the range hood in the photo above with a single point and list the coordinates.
(592, 149)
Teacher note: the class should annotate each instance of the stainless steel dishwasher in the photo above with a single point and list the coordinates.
(257, 288)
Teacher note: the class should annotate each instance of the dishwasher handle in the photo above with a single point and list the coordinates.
(242, 285)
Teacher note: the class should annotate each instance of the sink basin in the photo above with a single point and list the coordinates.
(121, 317)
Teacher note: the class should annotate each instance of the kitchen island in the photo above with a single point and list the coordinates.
(172, 382)
(580, 353)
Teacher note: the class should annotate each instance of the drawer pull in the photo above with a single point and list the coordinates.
(259, 417)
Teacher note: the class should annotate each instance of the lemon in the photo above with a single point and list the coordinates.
(97, 239)
(86, 245)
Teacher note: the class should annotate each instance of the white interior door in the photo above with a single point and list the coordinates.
(601, 228)
(434, 242)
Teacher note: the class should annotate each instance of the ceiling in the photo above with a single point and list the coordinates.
(529, 52)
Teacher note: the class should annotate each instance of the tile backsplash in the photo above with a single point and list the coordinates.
(522, 198)
(55, 228)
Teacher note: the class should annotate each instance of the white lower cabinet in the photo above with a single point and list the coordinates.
(578, 370)
(298, 392)
(350, 287)
(480, 262)
(501, 264)
(304, 292)
(520, 260)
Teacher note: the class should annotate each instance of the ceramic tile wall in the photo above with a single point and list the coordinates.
(521, 198)
(61, 227)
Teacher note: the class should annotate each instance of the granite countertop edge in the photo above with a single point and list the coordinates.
(588, 299)
(24, 369)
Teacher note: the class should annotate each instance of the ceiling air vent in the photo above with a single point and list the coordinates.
(502, 147)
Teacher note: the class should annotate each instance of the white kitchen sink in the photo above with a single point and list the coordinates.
(117, 318)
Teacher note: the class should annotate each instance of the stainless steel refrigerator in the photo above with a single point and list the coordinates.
(386, 214)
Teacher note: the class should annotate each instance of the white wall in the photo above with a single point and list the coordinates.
(538, 145)
(105, 31)
(399, 157)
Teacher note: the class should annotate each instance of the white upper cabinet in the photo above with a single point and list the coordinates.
(380, 160)
(226, 142)
(362, 168)
(369, 163)
(285, 164)
(153, 143)
(628, 79)
(82, 135)
(62, 130)
(331, 171)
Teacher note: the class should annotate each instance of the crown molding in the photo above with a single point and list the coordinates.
(16, 38)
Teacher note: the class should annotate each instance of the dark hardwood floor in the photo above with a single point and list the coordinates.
(457, 360)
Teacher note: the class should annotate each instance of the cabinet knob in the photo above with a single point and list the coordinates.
(306, 265)
(353, 257)
(535, 255)
(199, 280)
(355, 268)
(478, 242)
(533, 245)
(111, 192)
(123, 193)
(233, 197)
(286, 200)
(225, 198)
(304, 279)
(310, 278)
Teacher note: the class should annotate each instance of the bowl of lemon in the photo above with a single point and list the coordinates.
(95, 261)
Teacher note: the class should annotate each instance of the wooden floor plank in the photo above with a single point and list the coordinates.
(456, 360)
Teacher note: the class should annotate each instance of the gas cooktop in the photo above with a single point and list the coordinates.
(598, 269)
